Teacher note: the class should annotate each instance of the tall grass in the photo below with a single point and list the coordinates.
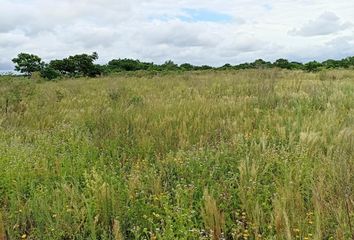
(256, 154)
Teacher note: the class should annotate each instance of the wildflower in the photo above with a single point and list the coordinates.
(156, 214)
(24, 236)
(245, 234)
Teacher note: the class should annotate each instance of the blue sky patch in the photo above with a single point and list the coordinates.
(267, 7)
(196, 15)
(204, 15)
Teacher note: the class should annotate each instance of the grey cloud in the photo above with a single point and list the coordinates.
(12, 39)
(325, 24)
(87, 36)
(118, 29)
(5, 65)
(336, 48)
(179, 34)
(242, 43)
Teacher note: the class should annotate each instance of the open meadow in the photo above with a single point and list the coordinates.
(249, 154)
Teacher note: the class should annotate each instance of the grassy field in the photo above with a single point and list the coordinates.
(256, 154)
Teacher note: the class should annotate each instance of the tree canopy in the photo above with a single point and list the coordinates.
(27, 63)
(83, 65)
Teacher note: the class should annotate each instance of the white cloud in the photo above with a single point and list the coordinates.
(325, 24)
(153, 30)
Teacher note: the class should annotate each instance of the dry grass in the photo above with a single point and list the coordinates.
(130, 157)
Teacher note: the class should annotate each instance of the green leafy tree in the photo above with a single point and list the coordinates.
(187, 66)
(49, 72)
(243, 66)
(77, 65)
(260, 63)
(117, 65)
(282, 63)
(330, 63)
(296, 65)
(169, 66)
(65, 66)
(204, 67)
(312, 66)
(226, 66)
(27, 63)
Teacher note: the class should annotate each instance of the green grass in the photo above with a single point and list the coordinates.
(256, 154)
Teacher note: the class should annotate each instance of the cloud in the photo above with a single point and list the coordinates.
(325, 24)
(204, 15)
(179, 34)
(12, 39)
(196, 31)
(197, 15)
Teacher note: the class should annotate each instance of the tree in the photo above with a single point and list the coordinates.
(169, 66)
(77, 65)
(260, 63)
(118, 65)
(282, 63)
(226, 66)
(65, 66)
(312, 66)
(296, 65)
(27, 63)
(187, 66)
(83, 64)
(243, 66)
(49, 72)
(203, 67)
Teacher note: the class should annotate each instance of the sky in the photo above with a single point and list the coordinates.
(212, 32)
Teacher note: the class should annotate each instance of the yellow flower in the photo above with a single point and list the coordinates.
(24, 236)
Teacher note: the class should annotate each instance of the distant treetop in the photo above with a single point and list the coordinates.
(83, 65)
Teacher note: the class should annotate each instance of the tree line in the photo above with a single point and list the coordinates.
(84, 65)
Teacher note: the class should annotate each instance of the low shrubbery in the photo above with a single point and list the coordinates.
(83, 65)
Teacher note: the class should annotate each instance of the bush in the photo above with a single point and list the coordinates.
(49, 73)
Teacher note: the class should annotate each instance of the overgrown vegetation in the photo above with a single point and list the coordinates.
(83, 65)
(251, 154)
